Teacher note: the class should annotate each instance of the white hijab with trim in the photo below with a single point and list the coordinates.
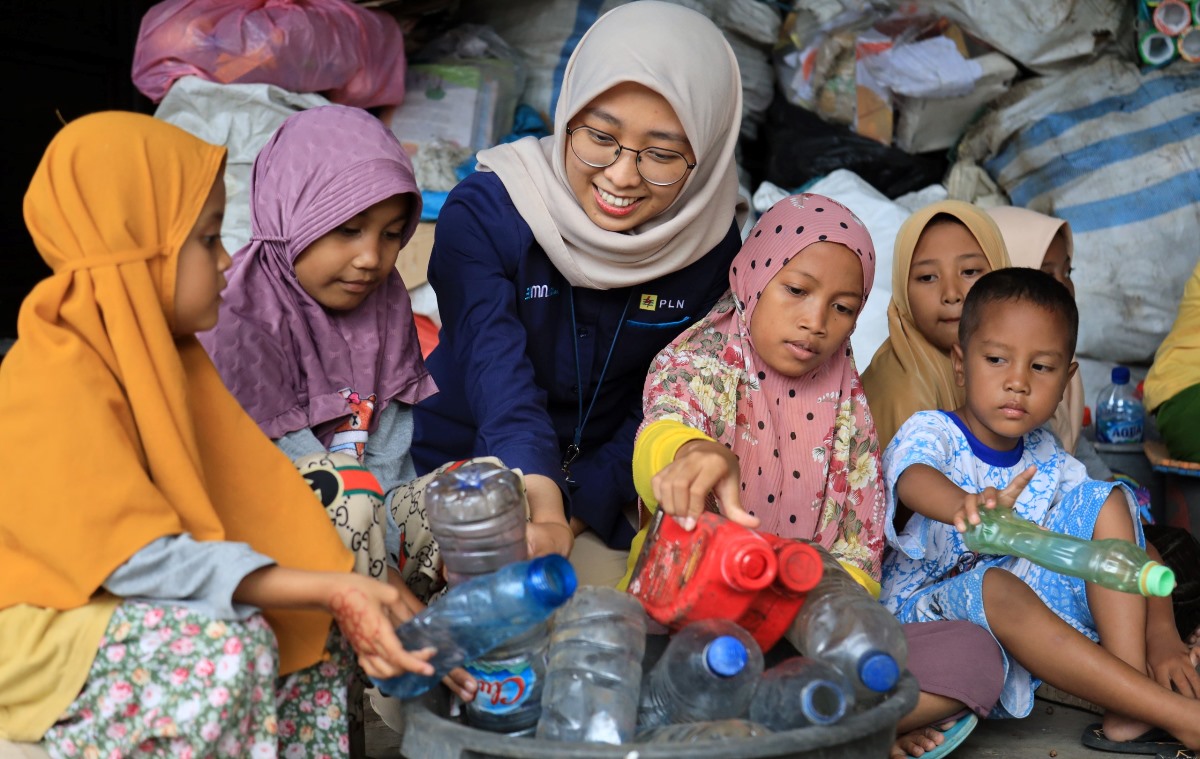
(681, 55)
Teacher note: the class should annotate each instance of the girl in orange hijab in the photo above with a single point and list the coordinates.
(132, 623)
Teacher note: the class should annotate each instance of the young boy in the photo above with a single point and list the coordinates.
(1013, 359)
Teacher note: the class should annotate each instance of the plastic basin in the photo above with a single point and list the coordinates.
(430, 735)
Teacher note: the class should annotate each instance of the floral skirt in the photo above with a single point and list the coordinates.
(168, 682)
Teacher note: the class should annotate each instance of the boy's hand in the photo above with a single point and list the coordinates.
(701, 467)
(990, 498)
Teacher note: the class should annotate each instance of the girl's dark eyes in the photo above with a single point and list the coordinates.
(393, 235)
(348, 231)
(843, 309)
(972, 272)
(794, 290)
(994, 360)
(926, 277)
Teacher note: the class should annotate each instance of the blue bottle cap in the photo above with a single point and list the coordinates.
(878, 671)
(1120, 375)
(551, 579)
(726, 656)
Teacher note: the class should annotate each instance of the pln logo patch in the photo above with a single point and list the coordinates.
(648, 302)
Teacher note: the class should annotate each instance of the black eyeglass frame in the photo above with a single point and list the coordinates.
(637, 155)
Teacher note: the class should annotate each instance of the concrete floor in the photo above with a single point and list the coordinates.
(1052, 730)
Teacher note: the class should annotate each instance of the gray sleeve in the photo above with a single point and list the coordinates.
(184, 572)
(389, 449)
(389, 457)
(299, 443)
(1086, 453)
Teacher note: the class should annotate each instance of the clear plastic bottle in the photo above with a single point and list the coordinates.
(477, 515)
(595, 668)
(703, 732)
(480, 614)
(799, 692)
(707, 672)
(1116, 564)
(840, 623)
(1120, 415)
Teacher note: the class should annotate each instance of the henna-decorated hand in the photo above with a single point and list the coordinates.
(367, 611)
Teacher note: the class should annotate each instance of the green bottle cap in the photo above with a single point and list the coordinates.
(1156, 580)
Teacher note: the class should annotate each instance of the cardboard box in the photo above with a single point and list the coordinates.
(413, 262)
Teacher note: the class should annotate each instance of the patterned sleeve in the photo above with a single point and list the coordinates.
(929, 438)
(859, 541)
(688, 382)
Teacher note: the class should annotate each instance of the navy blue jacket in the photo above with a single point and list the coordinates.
(505, 364)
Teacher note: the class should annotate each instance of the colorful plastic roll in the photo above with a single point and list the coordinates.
(1156, 48)
(1172, 17)
(1188, 45)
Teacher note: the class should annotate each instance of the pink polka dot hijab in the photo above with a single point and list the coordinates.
(284, 356)
(809, 454)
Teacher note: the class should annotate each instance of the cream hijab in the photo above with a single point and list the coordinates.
(681, 55)
(1027, 235)
(908, 373)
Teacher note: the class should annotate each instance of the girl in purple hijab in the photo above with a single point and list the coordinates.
(316, 336)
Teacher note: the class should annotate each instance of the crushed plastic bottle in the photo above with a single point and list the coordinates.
(594, 673)
(840, 623)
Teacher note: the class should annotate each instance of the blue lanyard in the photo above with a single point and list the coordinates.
(573, 449)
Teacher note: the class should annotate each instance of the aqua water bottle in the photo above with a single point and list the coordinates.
(708, 672)
(1116, 564)
(480, 614)
(1120, 415)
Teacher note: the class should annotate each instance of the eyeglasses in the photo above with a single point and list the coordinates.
(658, 166)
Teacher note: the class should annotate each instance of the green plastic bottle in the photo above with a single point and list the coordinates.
(1116, 564)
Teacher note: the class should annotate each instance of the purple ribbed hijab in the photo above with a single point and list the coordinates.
(284, 356)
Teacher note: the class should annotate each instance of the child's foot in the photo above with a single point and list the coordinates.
(916, 742)
(935, 740)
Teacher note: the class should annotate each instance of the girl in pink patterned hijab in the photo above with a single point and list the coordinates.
(759, 403)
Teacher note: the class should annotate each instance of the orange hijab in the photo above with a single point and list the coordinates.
(114, 433)
(908, 373)
(1027, 235)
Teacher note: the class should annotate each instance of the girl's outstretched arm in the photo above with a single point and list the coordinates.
(366, 610)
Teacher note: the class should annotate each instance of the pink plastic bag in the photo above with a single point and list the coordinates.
(349, 54)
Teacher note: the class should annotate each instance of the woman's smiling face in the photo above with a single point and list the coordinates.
(617, 198)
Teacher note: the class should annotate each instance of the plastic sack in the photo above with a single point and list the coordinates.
(1112, 151)
(352, 55)
(1043, 36)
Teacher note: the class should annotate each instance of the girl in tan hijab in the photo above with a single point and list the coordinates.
(941, 250)
(1037, 241)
